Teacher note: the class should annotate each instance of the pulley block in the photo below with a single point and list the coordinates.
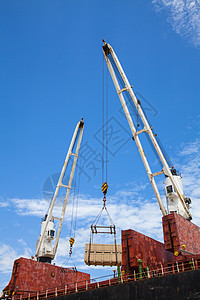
(104, 187)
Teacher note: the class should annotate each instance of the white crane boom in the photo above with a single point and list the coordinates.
(108, 54)
(44, 251)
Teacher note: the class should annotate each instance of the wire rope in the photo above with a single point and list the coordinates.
(106, 162)
(103, 131)
(105, 126)
(78, 189)
(75, 198)
(73, 202)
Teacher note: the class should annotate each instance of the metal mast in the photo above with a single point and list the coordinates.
(44, 251)
(108, 54)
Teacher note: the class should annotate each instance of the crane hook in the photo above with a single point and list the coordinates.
(71, 242)
(104, 189)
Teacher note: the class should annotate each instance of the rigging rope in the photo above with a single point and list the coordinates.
(66, 261)
(77, 187)
(75, 201)
(96, 220)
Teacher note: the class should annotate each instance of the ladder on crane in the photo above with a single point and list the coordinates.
(45, 252)
(176, 199)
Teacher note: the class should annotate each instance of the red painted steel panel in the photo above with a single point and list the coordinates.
(178, 231)
(136, 245)
(29, 275)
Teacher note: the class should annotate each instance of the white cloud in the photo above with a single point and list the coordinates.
(184, 17)
(128, 209)
(35, 207)
(22, 242)
(7, 256)
(4, 204)
(190, 169)
(190, 148)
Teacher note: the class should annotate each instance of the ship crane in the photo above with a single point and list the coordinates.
(45, 251)
(176, 199)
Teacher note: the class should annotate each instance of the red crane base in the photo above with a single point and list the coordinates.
(139, 246)
(33, 276)
(178, 232)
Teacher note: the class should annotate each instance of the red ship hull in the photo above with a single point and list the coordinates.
(33, 276)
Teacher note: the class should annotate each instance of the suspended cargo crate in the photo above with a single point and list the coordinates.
(103, 254)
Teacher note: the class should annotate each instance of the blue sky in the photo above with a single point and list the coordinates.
(51, 76)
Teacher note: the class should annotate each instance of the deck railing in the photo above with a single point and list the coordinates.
(108, 280)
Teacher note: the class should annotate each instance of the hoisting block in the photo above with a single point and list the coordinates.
(104, 188)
